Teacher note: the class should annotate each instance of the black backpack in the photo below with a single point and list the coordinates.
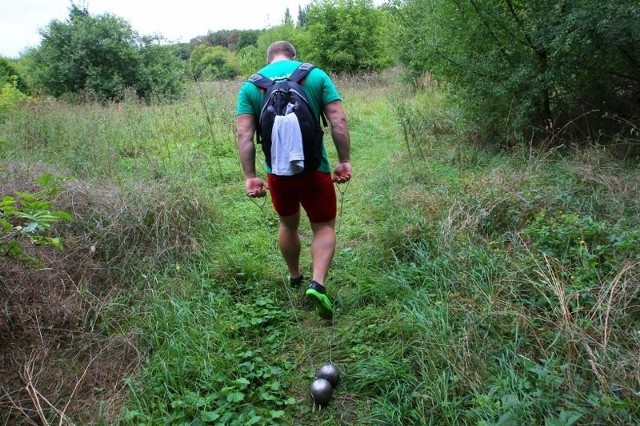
(278, 95)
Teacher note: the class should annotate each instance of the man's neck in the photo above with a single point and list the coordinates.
(278, 58)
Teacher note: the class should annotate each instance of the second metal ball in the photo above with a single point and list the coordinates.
(331, 373)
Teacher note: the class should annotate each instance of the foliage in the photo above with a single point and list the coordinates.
(102, 55)
(233, 40)
(464, 293)
(239, 385)
(180, 50)
(253, 58)
(288, 20)
(546, 67)
(10, 96)
(424, 122)
(346, 36)
(361, 33)
(30, 216)
(282, 32)
(301, 21)
(213, 63)
(54, 300)
(161, 75)
(24, 65)
(587, 248)
(10, 74)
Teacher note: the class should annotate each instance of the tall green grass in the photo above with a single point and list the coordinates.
(472, 287)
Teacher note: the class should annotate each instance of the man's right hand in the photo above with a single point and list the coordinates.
(255, 187)
(342, 172)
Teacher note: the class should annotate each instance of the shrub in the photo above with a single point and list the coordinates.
(30, 216)
(531, 68)
(9, 74)
(214, 63)
(104, 56)
(10, 96)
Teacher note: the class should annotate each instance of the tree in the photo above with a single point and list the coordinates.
(249, 58)
(10, 74)
(214, 63)
(247, 38)
(296, 36)
(104, 56)
(347, 36)
(161, 73)
(302, 16)
(287, 17)
(233, 39)
(530, 68)
(225, 38)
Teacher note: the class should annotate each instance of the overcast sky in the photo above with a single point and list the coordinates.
(180, 20)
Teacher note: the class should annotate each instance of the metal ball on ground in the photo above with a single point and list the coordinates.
(321, 391)
(331, 373)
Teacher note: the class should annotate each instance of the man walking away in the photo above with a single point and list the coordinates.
(312, 189)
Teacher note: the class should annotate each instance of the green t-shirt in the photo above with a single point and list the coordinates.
(318, 87)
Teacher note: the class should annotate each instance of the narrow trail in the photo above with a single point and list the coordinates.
(311, 341)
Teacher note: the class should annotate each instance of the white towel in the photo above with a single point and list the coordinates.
(287, 156)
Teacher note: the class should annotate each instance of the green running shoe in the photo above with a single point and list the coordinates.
(316, 293)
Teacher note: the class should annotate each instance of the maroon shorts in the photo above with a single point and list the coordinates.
(314, 191)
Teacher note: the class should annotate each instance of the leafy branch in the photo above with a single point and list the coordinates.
(30, 216)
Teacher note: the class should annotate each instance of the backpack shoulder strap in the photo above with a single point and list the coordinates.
(261, 81)
(301, 72)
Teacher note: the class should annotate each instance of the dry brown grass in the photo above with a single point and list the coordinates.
(58, 363)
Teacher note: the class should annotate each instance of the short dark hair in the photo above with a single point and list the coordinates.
(281, 47)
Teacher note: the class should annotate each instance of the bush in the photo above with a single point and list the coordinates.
(214, 63)
(10, 96)
(102, 55)
(9, 74)
(29, 216)
(523, 68)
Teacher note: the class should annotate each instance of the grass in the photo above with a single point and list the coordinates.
(472, 287)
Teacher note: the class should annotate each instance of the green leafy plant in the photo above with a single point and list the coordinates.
(9, 73)
(587, 247)
(30, 216)
(10, 95)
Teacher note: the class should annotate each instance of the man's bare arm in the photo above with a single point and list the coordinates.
(245, 128)
(339, 130)
(341, 139)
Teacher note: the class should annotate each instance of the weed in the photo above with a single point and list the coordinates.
(30, 215)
